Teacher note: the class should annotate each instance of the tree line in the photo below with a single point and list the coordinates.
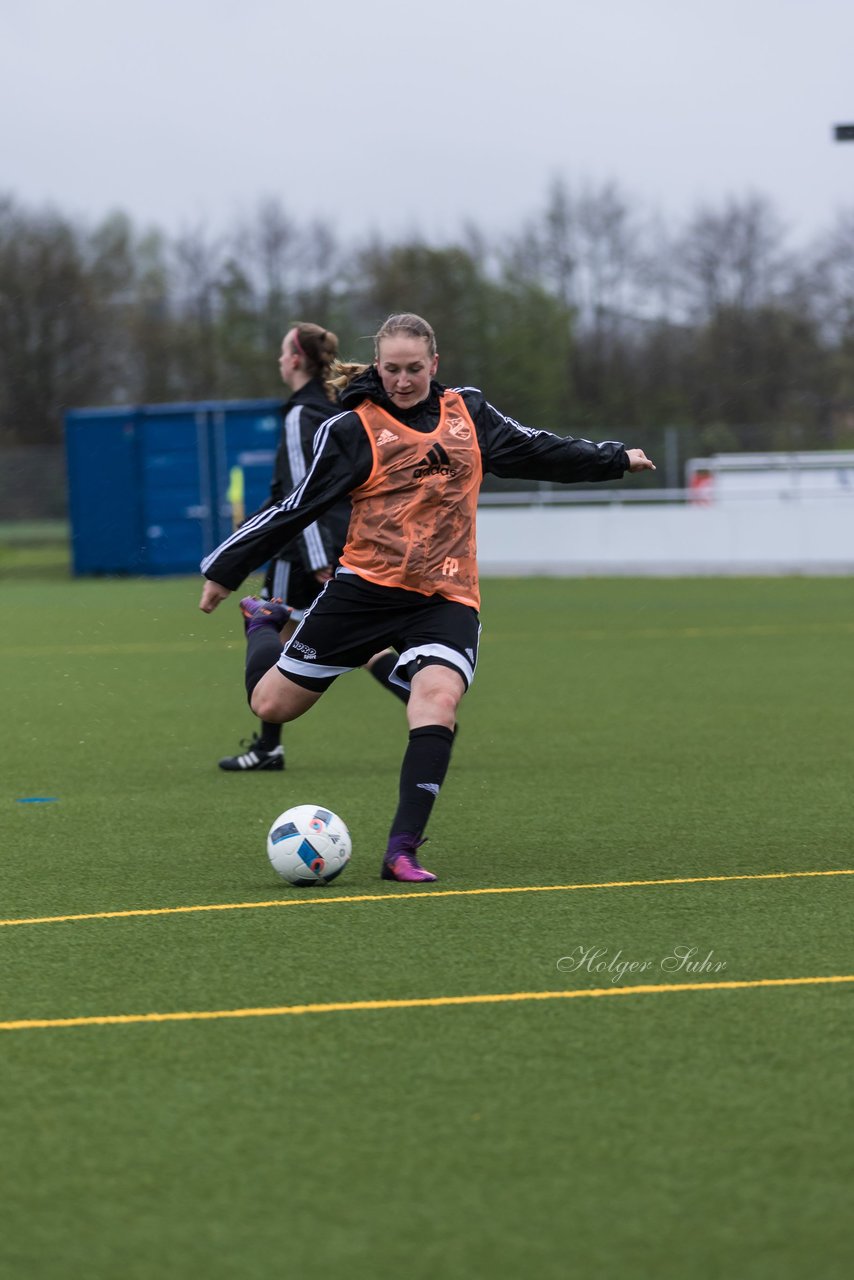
(592, 318)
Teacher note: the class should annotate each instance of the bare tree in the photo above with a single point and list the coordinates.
(197, 264)
(734, 256)
(48, 323)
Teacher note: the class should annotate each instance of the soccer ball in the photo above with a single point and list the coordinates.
(308, 845)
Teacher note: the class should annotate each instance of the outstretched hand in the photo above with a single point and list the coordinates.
(638, 461)
(212, 595)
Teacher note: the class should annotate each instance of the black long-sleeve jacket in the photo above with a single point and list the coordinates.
(342, 461)
(320, 542)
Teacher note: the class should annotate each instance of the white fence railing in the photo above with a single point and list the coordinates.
(566, 495)
(642, 535)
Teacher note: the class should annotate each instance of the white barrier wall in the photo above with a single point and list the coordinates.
(758, 537)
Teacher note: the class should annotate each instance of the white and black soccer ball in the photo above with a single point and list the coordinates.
(309, 845)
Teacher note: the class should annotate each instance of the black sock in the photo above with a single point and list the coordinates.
(421, 775)
(269, 736)
(382, 669)
(263, 647)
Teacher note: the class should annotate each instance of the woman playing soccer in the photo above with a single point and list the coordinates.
(411, 455)
(300, 568)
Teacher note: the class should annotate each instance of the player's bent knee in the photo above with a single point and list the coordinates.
(436, 694)
(278, 700)
(266, 708)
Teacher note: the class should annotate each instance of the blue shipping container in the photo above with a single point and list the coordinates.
(153, 488)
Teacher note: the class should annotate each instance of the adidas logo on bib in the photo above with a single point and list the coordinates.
(436, 463)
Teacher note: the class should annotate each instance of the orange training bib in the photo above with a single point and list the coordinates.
(414, 519)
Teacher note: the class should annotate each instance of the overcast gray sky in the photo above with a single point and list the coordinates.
(402, 116)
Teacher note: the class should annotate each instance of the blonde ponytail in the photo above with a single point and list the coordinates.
(341, 374)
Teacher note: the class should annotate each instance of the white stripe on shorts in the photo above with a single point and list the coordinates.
(443, 651)
(315, 669)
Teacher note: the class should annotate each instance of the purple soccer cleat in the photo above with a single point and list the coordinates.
(264, 613)
(400, 862)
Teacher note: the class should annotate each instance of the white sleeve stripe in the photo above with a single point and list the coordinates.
(319, 443)
(317, 553)
(530, 432)
(258, 522)
(293, 440)
(264, 517)
(536, 431)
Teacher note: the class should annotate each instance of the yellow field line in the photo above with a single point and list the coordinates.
(430, 1002)
(416, 895)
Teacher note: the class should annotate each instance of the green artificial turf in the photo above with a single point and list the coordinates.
(618, 731)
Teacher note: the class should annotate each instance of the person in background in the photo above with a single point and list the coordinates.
(299, 569)
(410, 454)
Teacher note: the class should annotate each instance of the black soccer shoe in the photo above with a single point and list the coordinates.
(255, 757)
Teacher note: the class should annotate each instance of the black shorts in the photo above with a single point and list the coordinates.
(352, 619)
(287, 580)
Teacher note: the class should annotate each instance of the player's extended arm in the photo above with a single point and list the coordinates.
(638, 461)
(212, 595)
